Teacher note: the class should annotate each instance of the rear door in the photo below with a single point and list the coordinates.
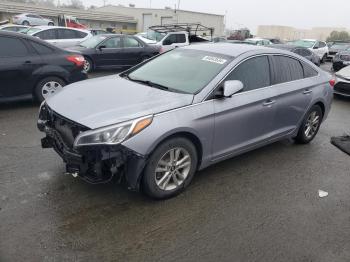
(132, 51)
(293, 93)
(110, 53)
(245, 119)
(18, 62)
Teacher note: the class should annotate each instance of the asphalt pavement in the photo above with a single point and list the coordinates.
(261, 206)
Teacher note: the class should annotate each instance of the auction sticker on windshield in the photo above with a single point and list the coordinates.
(214, 59)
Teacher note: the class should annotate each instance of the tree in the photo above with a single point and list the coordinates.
(340, 36)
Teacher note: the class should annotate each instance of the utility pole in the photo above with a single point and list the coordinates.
(150, 3)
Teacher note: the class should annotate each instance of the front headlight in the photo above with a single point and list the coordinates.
(112, 135)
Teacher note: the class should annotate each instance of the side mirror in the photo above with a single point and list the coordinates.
(101, 47)
(232, 87)
(315, 47)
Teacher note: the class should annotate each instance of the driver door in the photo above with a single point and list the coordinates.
(110, 53)
(245, 119)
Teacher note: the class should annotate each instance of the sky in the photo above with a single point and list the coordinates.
(251, 13)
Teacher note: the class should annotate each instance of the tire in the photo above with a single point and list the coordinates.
(170, 180)
(305, 137)
(324, 58)
(88, 65)
(52, 85)
(50, 24)
(26, 23)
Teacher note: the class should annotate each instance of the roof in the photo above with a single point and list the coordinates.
(286, 46)
(45, 27)
(18, 8)
(24, 36)
(226, 48)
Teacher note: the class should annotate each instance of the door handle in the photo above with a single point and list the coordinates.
(307, 91)
(269, 102)
(27, 62)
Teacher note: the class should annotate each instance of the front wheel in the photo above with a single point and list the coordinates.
(88, 65)
(50, 24)
(170, 168)
(48, 87)
(310, 125)
(324, 58)
(26, 23)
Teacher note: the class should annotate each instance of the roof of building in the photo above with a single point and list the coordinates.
(18, 8)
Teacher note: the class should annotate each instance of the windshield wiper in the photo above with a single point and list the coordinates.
(147, 82)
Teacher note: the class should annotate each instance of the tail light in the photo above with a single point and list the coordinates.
(332, 82)
(78, 60)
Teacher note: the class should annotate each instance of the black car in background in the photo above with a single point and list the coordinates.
(340, 60)
(114, 51)
(30, 67)
(336, 47)
(302, 51)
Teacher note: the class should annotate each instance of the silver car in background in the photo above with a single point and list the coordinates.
(31, 20)
(158, 123)
(60, 36)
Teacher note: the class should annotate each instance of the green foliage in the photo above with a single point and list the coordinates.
(338, 36)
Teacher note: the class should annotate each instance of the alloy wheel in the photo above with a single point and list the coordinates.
(50, 88)
(87, 66)
(312, 124)
(173, 169)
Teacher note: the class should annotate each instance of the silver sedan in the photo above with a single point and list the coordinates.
(158, 123)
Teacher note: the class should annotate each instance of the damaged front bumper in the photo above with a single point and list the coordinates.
(94, 164)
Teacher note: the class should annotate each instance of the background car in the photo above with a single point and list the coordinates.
(31, 19)
(302, 51)
(340, 60)
(60, 36)
(114, 51)
(31, 67)
(258, 41)
(318, 47)
(275, 41)
(342, 82)
(14, 28)
(337, 47)
(98, 31)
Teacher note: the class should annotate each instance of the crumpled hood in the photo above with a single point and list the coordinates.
(109, 100)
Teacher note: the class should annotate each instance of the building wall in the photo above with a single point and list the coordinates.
(157, 16)
(291, 33)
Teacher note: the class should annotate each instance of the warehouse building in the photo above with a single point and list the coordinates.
(147, 17)
(90, 18)
(291, 33)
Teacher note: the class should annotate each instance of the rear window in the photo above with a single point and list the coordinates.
(309, 71)
(66, 34)
(41, 49)
(286, 69)
(12, 47)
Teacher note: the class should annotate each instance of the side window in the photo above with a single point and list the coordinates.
(171, 39)
(253, 73)
(41, 49)
(298, 51)
(286, 69)
(10, 28)
(180, 38)
(79, 34)
(66, 34)
(12, 47)
(131, 42)
(317, 45)
(309, 71)
(114, 42)
(322, 44)
(47, 34)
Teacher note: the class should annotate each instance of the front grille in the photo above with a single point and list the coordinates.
(343, 88)
(345, 57)
(65, 128)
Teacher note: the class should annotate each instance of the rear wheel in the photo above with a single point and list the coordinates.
(170, 169)
(48, 87)
(310, 125)
(25, 23)
(50, 24)
(88, 65)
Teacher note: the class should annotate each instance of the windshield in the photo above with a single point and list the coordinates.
(304, 43)
(32, 30)
(153, 35)
(93, 41)
(182, 70)
(341, 46)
